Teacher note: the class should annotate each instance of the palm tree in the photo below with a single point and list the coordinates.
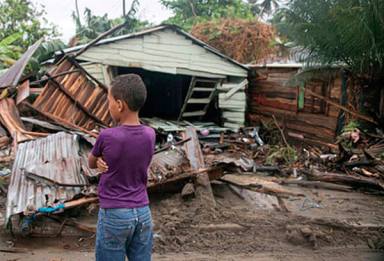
(345, 32)
(264, 7)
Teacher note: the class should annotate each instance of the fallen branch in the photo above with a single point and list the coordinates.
(281, 131)
(316, 184)
(344, 179)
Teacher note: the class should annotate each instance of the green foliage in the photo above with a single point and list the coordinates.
(264, 7)
(22, 17)
(188, 13)
(9, 52)
(352, 125)
(281, 154)
(45, 52)
(349, 33)
(94, 25)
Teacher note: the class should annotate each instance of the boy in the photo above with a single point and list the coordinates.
(123, 153)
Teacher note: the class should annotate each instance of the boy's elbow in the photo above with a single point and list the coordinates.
(92, 161)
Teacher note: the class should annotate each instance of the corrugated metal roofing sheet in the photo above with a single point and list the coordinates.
(74, 97)
(12, 75)
(10, 118)
(41, 164)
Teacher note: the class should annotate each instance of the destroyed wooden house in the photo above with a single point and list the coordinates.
(314, 112)
(186, 79)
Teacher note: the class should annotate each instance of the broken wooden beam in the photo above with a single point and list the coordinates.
(354, 181)
(353, 113)
(316, 184)
(196, 159)
(259, 184)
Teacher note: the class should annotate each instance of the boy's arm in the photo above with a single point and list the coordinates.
(95, 159)
(97, 162)
(92, 161)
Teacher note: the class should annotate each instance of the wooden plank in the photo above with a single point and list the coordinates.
(356, 181)
(240, 121)
(198, 101)
(233, 126)
(196, 159)
(236, 96)
(236, 115)
(202, 89)
(193, 113)
(236, 89)
(233, 109)
(260, 185)
(189, 94)
(355, 114)
(306, 118)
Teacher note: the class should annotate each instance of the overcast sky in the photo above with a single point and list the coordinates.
(59, 11)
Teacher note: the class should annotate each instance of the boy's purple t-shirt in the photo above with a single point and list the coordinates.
(128, 151)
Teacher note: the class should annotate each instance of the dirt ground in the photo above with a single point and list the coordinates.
(322, 225)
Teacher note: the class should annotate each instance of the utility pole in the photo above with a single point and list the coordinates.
(78, 14)
(123, 8)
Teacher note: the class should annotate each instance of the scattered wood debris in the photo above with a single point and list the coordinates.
(47, 143)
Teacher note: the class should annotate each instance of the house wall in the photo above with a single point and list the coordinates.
(269, 94)
(99, 71)
(233, 103)
(163, 51)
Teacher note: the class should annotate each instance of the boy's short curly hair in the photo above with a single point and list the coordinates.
(131, 89)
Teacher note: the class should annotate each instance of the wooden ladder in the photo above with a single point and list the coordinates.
(200, 94)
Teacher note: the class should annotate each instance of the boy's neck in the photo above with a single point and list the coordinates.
(130, 119)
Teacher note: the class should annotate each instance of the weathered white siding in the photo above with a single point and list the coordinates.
(99, 71)
(233, 103)
(163, 51)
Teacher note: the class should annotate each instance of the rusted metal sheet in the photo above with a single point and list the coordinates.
(12, 76)
(74, 97)
(46, 170)
(23, 91)
(10, 119)
(167, 164)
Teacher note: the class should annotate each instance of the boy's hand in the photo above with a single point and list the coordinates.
(101, 165)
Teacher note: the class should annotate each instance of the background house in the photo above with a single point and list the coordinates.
(304, 115)
(185, 78)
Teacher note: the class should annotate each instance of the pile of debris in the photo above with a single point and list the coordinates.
(47, 138)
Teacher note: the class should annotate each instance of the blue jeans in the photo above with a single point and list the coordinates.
(124, 232)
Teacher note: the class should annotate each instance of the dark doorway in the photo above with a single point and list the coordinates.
(165, 92)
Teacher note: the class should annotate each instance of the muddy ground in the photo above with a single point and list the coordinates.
(322, 225)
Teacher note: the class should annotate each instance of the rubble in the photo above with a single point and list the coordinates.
(46, 144)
